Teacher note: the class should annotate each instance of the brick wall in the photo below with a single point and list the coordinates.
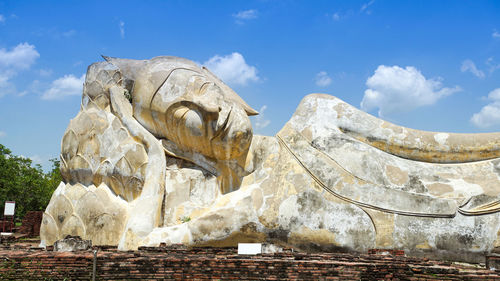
(224, 263)
(31, 223)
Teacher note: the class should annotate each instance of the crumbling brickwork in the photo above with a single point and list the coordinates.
(223, 263)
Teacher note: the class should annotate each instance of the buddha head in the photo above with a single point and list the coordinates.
(178, 101)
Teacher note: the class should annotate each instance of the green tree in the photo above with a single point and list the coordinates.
(53, 178)
(24, 183)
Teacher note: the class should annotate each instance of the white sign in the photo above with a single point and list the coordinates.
(9, 208)
(249, 248)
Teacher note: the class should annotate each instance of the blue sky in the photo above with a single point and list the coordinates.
(429, 65)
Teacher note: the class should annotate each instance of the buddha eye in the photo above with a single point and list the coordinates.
(198, 85)
(203, 88)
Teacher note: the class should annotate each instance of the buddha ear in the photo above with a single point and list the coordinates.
(230, 94)
(250, 111)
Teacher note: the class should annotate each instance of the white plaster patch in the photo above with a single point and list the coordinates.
(316, 113)
(171, 235)
(441, 138)
(466, 188)
(288, 210)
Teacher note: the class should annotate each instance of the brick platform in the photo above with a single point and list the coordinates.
(224, 263)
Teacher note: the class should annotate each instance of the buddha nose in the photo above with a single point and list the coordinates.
(212, 108)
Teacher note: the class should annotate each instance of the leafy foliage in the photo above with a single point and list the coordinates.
(26, 184)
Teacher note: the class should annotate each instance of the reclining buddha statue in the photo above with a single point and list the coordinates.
(162, 151)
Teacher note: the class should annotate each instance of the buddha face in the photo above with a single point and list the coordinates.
(201, 120)
(178, 101)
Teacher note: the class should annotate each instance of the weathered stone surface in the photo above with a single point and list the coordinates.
(72, 244)
(162, 151)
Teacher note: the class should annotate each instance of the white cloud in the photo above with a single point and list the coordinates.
(340, 15)
(39, 160)
(495, 34)
(122, 29)
(37, 87)
(322, 79)
(395, 89)
(45, 72)
(492, 64)
(69, 33)
(232, 69)
(489, 115)
(260, 121)
(19, 58)
(2, 18)
(468, 65)
(365, 6)
(246, 15)
(36, 159)
(69, 85)
(2, 134)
